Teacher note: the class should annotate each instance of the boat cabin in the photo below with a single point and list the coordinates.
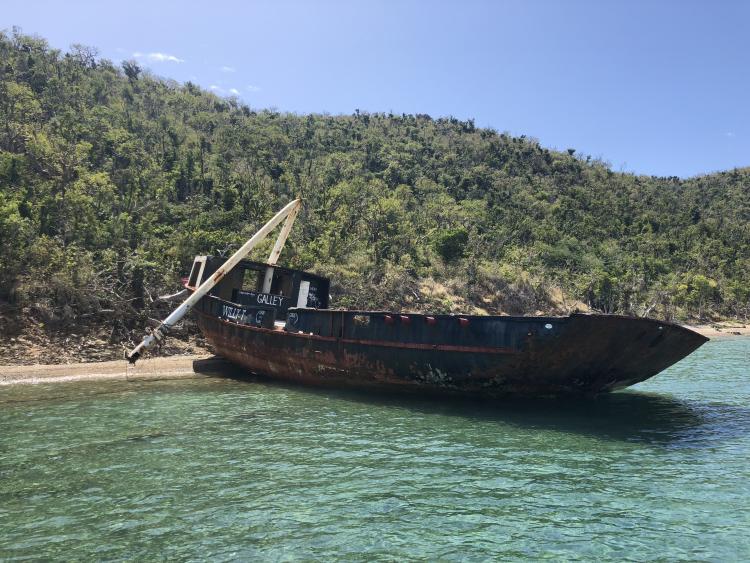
(256, 294)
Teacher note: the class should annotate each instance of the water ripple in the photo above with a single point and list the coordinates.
(231, 470)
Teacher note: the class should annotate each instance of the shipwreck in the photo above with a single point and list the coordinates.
(276, 322)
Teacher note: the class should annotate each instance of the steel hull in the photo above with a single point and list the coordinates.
(580, 355)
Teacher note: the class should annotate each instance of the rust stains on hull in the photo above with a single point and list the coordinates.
(581, 354)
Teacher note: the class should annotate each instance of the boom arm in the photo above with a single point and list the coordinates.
(161, 331)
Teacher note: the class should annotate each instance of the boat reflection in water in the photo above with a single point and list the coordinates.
(630, 416)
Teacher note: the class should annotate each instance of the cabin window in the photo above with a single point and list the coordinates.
(282, 284)
(252, 280)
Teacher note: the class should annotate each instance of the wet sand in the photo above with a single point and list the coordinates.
(174, 367)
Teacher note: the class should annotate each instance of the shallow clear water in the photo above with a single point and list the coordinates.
(227, 469)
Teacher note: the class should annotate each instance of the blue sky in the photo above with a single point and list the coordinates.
(652, 87)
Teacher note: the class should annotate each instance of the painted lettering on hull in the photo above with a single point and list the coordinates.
(243, 316)
(268, 299)
(236, 314)
(263, 298)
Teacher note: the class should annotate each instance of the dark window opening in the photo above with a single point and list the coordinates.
(252, 280)
(282, 284)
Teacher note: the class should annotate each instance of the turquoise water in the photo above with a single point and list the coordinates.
(226, 470)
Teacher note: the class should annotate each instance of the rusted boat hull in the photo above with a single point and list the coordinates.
(472, 356)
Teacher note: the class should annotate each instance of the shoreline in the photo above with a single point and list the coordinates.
(721, 329)
(150, 369)
(206, 364)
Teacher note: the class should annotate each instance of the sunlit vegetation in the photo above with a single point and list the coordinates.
(111, 180)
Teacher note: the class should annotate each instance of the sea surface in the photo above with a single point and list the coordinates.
(223, 469)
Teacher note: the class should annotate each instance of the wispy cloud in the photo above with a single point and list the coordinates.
(216, 89)
(251, 88)
(228, 69)
(158, 57)
(729, 134)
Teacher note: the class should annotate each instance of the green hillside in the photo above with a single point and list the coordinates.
(111, 180)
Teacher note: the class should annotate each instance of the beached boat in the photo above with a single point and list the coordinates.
(289, 333)
(276, 322)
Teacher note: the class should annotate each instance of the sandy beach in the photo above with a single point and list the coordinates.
(173, 367)
(721, 329)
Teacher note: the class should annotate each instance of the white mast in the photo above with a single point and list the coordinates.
(274, 256)
(290, 212)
